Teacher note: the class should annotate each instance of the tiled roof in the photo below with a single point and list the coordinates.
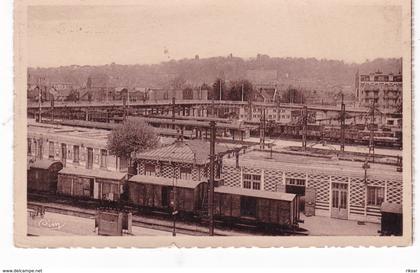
(193, 151)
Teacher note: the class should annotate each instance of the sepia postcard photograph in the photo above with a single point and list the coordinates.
(212, 123)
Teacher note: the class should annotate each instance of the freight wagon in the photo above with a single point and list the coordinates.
(166, 193)
(42, 175)
(91, 183)
(253, 206)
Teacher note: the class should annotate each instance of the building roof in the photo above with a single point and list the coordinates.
(43, 164)
(155, 180)
(191, 151)
(317, 165)
(112, 175)
(255, 193)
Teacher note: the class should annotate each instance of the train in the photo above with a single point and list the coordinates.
(358, 135)
(273, 212)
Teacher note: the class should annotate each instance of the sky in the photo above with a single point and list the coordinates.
(158, 31)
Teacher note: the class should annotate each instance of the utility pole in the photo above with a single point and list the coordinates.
(262, 131)
(242, 94)
(212, 108)
(371, 136)
(211, 180)
(52, 108)
(39, 100)
(124, 107)
(174, 205)
(173, 112)
(342, 123)
(220, 90)
(304, 126)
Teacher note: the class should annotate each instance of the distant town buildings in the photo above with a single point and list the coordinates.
(383, 90)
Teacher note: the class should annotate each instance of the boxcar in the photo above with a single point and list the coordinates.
(42, 175)
(391, 220)
(273, 208)
(158, 193)
(91, 183)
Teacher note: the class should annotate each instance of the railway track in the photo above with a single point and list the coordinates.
(157, 220)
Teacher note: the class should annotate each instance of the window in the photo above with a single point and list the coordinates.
(51, 150)
(185, 173)
(375, 196)
(89, 162)
(252, 181)
(149, 169)
(76, 154)
(104, 154)
(296, 182)
(296, 186)
(64, 153)
(123, 164)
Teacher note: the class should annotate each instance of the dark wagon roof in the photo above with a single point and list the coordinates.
(112, 175)
(255, 193)
(163, 181)
(44, 164)
(391, 208)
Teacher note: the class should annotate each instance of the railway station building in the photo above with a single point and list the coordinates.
(326, 185)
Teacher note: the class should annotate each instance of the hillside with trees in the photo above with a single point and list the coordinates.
(297, 72)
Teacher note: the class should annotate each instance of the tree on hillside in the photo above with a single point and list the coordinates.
(131, 136)
(292, 95)
(240, 88)
(178, 82)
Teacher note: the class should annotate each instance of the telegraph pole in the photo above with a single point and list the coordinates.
(174, 205)
(211, 180)
(220, 90)
(173, 112)
(262, 131)
(343, 123)
(242, 94)
(39, 100)
(52, 108)
(371, 136)
(304, 126)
